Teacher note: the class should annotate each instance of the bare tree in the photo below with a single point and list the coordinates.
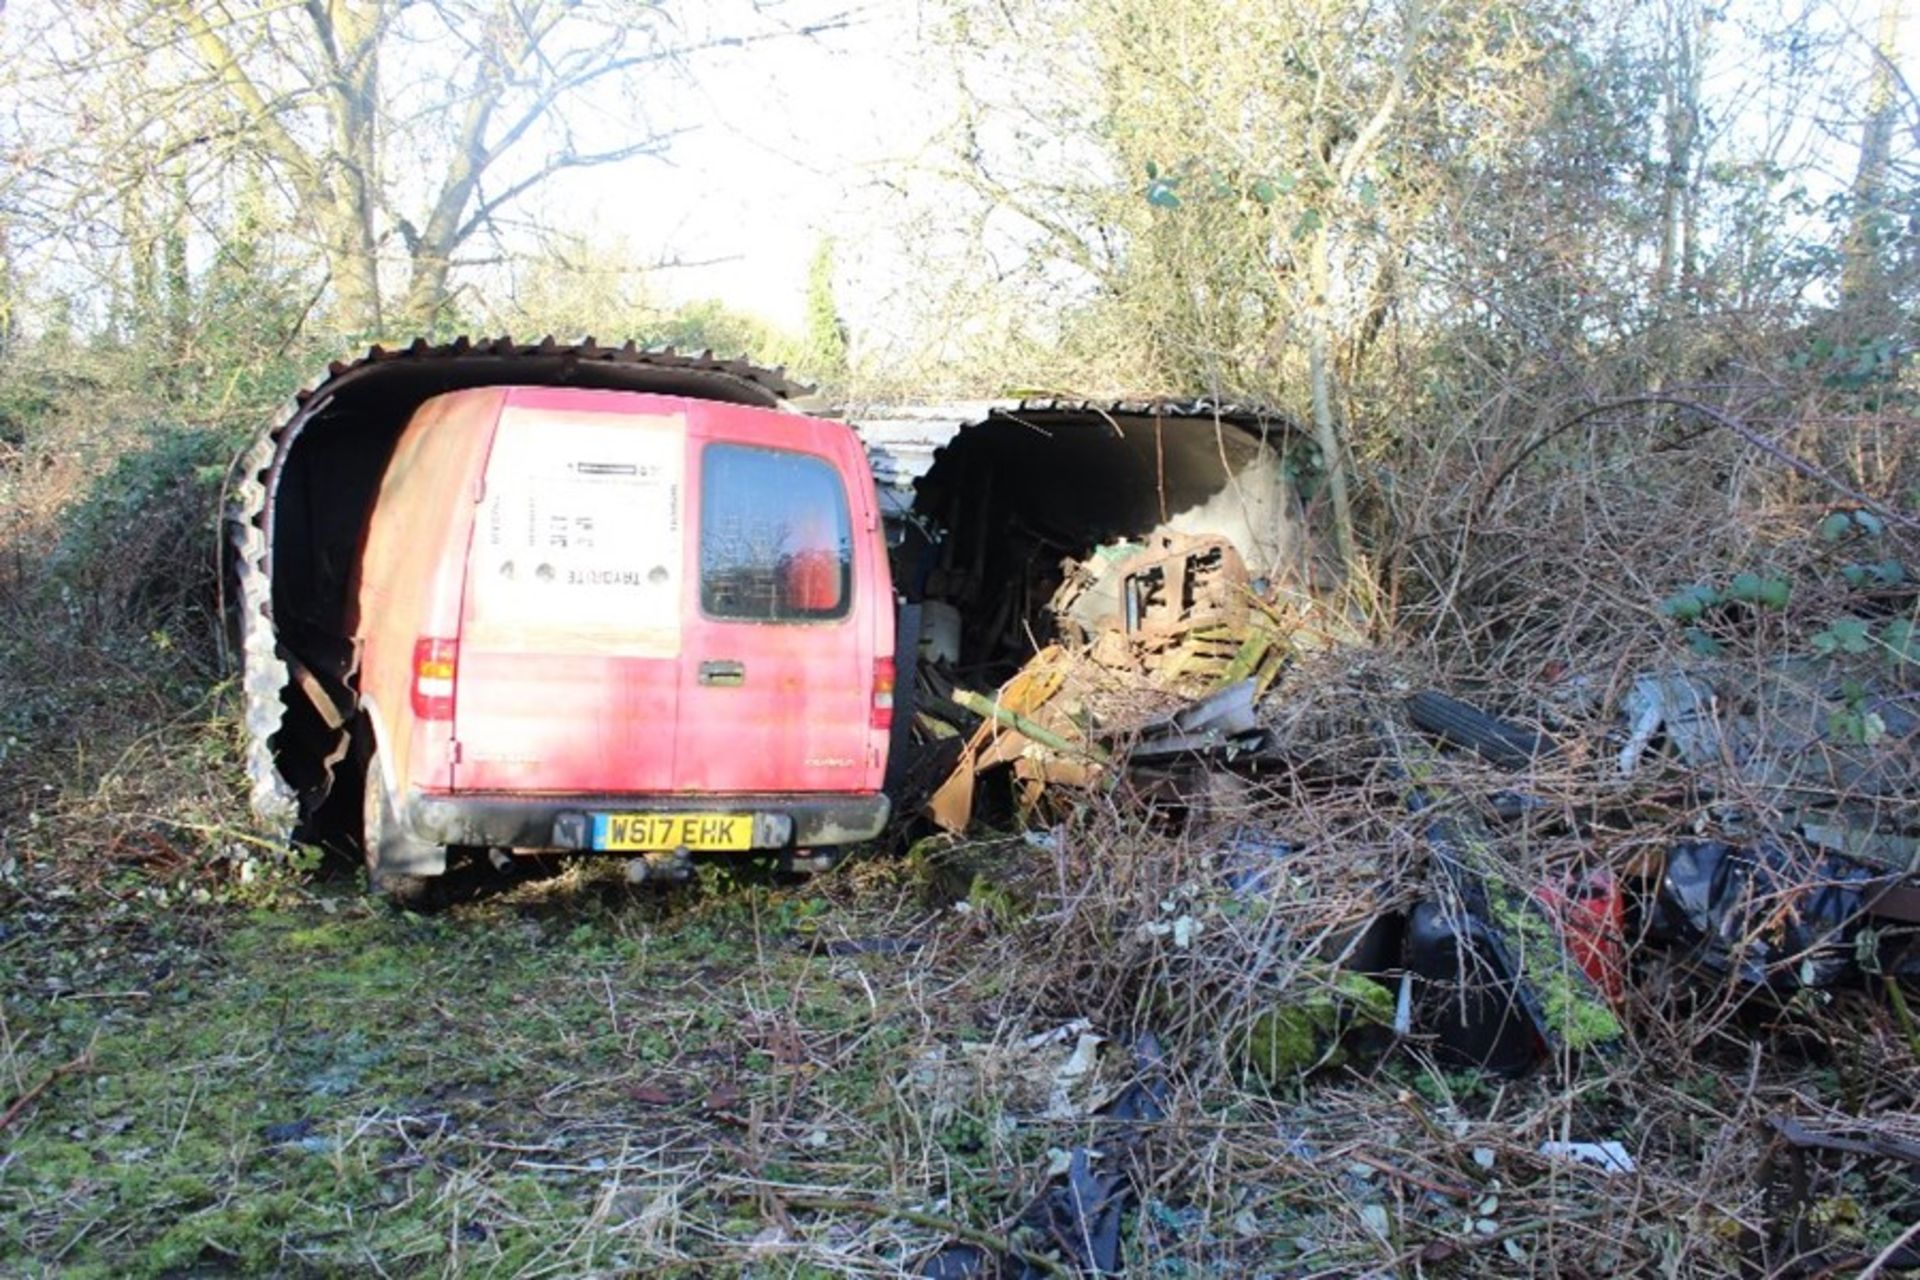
(509, 95)
(397, 135)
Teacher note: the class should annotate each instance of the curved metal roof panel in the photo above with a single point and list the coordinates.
(903, 440)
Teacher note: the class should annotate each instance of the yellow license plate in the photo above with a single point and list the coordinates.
(648, 832)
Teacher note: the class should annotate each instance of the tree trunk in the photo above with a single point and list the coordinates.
(174, 278)
(1685, 24)
(335, 186)
(9, 307)
(355, 267)
(143, 280)
(348, 33)
(426, 288)
(1863, 284)
(1320, 375)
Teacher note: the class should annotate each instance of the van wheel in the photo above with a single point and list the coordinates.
(384, 842)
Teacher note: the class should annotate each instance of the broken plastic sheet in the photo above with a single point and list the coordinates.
(1081, 1214)
(1769, 915)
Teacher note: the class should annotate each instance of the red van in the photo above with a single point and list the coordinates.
(619, 622)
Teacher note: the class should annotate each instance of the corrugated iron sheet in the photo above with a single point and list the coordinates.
(587, 351)
(903, 440)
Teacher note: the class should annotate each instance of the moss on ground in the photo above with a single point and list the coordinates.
(521, 1085)
(1306, 1031)
(1574, 1009)
(572, 1079)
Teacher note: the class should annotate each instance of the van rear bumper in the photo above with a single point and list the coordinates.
(560, 822)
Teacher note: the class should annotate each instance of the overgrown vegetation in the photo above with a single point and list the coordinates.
(570, 1078)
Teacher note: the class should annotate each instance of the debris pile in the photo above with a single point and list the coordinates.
(1648, 909)
(1163, 648)
(1724, 814)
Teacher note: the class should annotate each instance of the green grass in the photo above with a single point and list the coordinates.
(542, 1083)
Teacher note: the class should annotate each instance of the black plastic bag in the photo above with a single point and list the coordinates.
(1768, 915)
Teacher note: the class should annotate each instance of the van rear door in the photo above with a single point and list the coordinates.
(777, 672)
(570, 644)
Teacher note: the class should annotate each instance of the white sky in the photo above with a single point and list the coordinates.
(795, 139)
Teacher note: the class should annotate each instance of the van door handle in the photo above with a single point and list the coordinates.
(724, 673)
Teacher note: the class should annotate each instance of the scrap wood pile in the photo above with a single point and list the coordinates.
(1617, 884)
(1142, 630)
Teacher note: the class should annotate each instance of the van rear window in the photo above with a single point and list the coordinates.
(776, 544)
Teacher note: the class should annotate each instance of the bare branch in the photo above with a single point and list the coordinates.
(566, 160)
(226, 65)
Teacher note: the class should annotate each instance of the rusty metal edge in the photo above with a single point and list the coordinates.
(974, 410)
(1238, 413)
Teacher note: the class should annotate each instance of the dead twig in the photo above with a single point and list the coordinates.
(52, 1077)
(932, 1222)
(1425, 1184)
(1719, 419)
(1887, 1255)
(1438, 1250)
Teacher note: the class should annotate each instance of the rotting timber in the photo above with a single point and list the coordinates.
(298, 502)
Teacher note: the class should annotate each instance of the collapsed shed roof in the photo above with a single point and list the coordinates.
(995, 500)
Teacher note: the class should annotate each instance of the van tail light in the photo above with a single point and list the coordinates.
(434, 660)
(883, 694)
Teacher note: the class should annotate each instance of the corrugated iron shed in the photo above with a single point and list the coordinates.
(903, 440)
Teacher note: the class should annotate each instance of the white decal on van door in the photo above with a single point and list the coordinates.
(578, 544)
